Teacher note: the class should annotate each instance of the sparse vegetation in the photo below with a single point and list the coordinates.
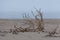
(39, 21)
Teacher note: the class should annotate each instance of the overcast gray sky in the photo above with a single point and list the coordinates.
(15, 8)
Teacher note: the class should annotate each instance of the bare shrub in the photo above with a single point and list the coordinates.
(39, 21)
(31, 28)
(51, 34)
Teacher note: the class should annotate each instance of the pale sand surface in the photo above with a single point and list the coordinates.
(49, 25)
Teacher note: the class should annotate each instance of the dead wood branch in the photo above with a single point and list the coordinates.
(53, 32)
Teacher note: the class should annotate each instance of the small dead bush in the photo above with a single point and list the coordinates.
(51, 34)
(31, 28)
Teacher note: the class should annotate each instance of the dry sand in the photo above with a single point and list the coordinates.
(49, 25)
